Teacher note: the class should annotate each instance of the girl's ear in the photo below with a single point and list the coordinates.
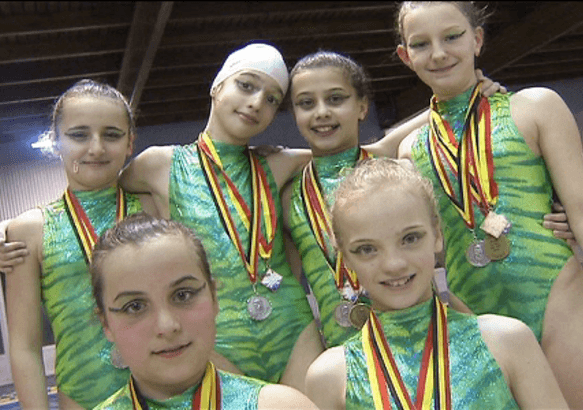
(363, 109)
(479, 39)
(404, 55)
(103, 320)
(131, 141)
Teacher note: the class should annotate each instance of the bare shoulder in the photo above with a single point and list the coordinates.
(26, 227)
(406, 146)
(286, 163)
(278, 396)
(326, 379)
(155, 156)
(536, 101)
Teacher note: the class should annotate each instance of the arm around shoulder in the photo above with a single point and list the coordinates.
(326, 380)
(523, 363)
(149, 171)
(23, 306)
(286, 163)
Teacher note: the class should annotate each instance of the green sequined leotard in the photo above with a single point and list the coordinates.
(477, 382)
(260, 349)
(83, 367)
(315, 266)
(238, 393)
(519, 285)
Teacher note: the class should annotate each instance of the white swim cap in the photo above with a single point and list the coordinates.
(257, 56)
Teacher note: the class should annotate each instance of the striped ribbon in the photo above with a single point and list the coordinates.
(470, 161)
(206, 397)
(433, 387)
(263, 204)
(86, 235)
(316, 209)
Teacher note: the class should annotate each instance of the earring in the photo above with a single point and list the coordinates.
(75, 166)
(116, 359)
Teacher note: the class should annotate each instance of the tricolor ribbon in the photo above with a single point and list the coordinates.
(470, 161)
(318, 215)
(433, 386)
(263, 204)
(86, 235)
(207, 395)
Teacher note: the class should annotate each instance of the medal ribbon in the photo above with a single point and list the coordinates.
(433, 385)
(471, 161)
(319, 220)
(86, 235)
(206, 397)
(263, 203)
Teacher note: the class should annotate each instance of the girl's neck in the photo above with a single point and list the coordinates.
(446, 95)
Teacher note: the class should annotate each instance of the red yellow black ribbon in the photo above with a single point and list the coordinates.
(263, 204)
(318, 215)
(433, 386)
(82, 226)
(470, 161)
(206, 397)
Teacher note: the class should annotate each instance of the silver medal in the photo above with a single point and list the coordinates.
(342, 314)
(259, 307)
(271, 280)
(476, 254)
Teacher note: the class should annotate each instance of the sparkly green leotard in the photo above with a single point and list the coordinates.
(519, 285)
(477, 382)
(238, 393)
(83, 367)
(260, 349)
(316, 268)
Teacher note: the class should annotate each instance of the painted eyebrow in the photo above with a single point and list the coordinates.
(173, 284)
(184, 279)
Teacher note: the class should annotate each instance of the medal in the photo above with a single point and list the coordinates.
(497, 248)
(476, 254)
(259, 307)
(342, 314)
(359, 315)
(116, 359)
(271, 280)
(494, 224)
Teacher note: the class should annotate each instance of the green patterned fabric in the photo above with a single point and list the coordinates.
(260, 349)
(519, 285)
(238, 393)
(316, 269)
(83, 367)
(477, 382)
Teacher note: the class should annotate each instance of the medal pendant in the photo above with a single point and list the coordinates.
(359, 315)
(271, 280)
(494, 224)
(342, 314)
(497, 248)
(476, 254)
(259, 307)
(349, 293)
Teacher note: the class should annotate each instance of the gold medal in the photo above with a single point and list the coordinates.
(359, 315)
(497, 248)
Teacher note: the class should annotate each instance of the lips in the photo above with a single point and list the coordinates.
(442, 69)
(325, 130)
(248, 118)
(398, 283)
(172, 352)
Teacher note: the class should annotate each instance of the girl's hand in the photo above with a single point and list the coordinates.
(489, 87)
(12, 253)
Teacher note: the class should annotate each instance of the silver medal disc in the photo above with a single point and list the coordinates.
(259, 307)
(476, 254)
(342, 314)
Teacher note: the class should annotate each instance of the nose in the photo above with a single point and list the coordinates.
(167, 323)
(96, 145)
(255, 100)
(322, 110)
(394, 263)
(438, 51)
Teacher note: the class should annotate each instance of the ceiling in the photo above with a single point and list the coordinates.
(164, 55)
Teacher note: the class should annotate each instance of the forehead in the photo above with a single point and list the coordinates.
(267, 81)
(431, 17)
(93, 109)
(320, 79)
(152, 266)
